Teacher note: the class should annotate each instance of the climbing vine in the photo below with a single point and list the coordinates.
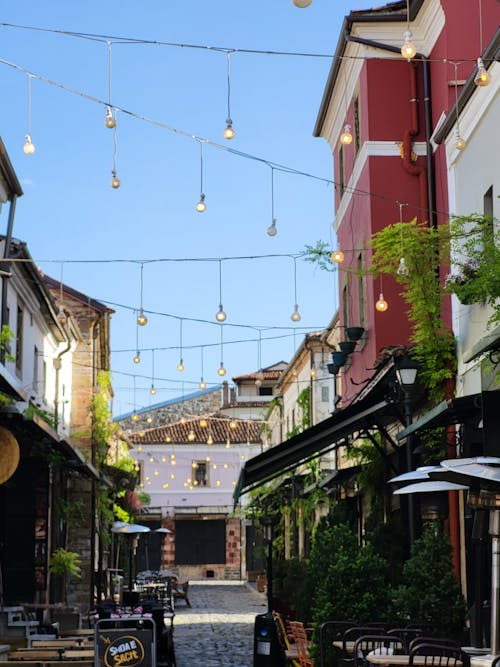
(304, 404)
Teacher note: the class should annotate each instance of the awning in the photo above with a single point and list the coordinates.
(313, 442)
(486, 344)
(452, 411)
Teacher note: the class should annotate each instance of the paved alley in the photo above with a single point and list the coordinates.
(218, 630)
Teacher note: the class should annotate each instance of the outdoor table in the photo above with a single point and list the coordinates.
(400, 659)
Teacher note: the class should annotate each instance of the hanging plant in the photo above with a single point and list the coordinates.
(424, 253)
(475, 278)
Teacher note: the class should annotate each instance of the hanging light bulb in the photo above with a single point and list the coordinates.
(408, 50)
(314, 372)
(203, 384)
(295, 316)
(346, 136)
(182, 420)
(271, 230)
(149, 420)
(110, 120)
(201, 206)
(210, 440)
(460, 143)
(203, 423)
(152, 391)
(142, 320)
(229, 132)
(180, 366)
(191, 436)
(482, 77)
(135, 417)
(115, 181)
(29, 146)
(402, 269)
(221, 371)
(233, 424)
(61, 315)
(302, 4)
(337, 256)
(381, 304)
(220, 315)
(137, 358)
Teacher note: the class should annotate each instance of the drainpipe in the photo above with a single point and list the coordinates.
(431, 178)
(6, 269)
(57, 367)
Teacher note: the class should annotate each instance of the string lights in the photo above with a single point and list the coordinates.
(271, 230)
(220, 315)
(61, 315)
(482, 78)
(29, 146)
(337, 256)
(203, 384)
(152, 391)
(115, 181)
(402, 269)
(201, 206)
(229, 132)
(137, 357)
(110, 119)
(295, 316)
(381, 304)
(180, 365)
(460, 143)
(142, 320)
(408, 49)
(221, 371)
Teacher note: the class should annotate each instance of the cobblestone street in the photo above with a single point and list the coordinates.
(218, 630)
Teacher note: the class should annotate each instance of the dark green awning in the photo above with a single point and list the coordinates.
(313, 442)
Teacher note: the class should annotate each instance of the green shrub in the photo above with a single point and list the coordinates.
(429, 592)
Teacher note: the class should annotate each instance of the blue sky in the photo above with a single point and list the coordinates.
(69, 211)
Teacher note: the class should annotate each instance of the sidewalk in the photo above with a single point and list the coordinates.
(218, 630)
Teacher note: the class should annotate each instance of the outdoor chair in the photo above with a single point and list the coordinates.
(407, 634)
(349, 639)
(331, 631)
(436, 655)
(285, 638)
(302, 642)
(383, 644)
(423, 639)
(180, 591)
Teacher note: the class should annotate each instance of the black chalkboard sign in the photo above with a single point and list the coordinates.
(125, 642)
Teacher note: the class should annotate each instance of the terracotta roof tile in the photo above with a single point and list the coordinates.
(218, 427)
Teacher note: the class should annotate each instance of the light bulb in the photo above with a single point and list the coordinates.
(203, 423)
(313, 372)
(61, 315)
(152, 391)
(149, 420)
(402, 269)
(301, 4)
(203, 384)
(135, 417)
(346, 136)
(110, 120)
(460, 143)
(233, 424)
(295, 316)
(229, 131)
(337, 256)
(408, 49)
(482, 77)
(210, 440)
(142, 320)
(29, 146)
(191, 436)
(115, 181)
(180, 366)
(201, 206)
(182, 420)
(137, 358)
(220, 315)
(381, 304)
(271, 230)
(221, 370)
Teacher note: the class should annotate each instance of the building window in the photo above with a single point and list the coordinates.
(19, 340)
(361, 292)
(357, 140)
(44, 381)
(265, 391)
(200, 473)
(35, 369)
(345, 302)
(341, 171)
(325, 394)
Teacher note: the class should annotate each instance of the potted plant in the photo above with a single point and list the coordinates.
(65, 564)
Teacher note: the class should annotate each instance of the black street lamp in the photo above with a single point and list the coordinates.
(406, 374)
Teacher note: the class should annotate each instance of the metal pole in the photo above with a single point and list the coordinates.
(409, 468)
(270, 574)
(495, 580)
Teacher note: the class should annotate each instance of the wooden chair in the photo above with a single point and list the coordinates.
(378, 643)
(436, 655)
(290, 652)
(180, 591)
(302, 642)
